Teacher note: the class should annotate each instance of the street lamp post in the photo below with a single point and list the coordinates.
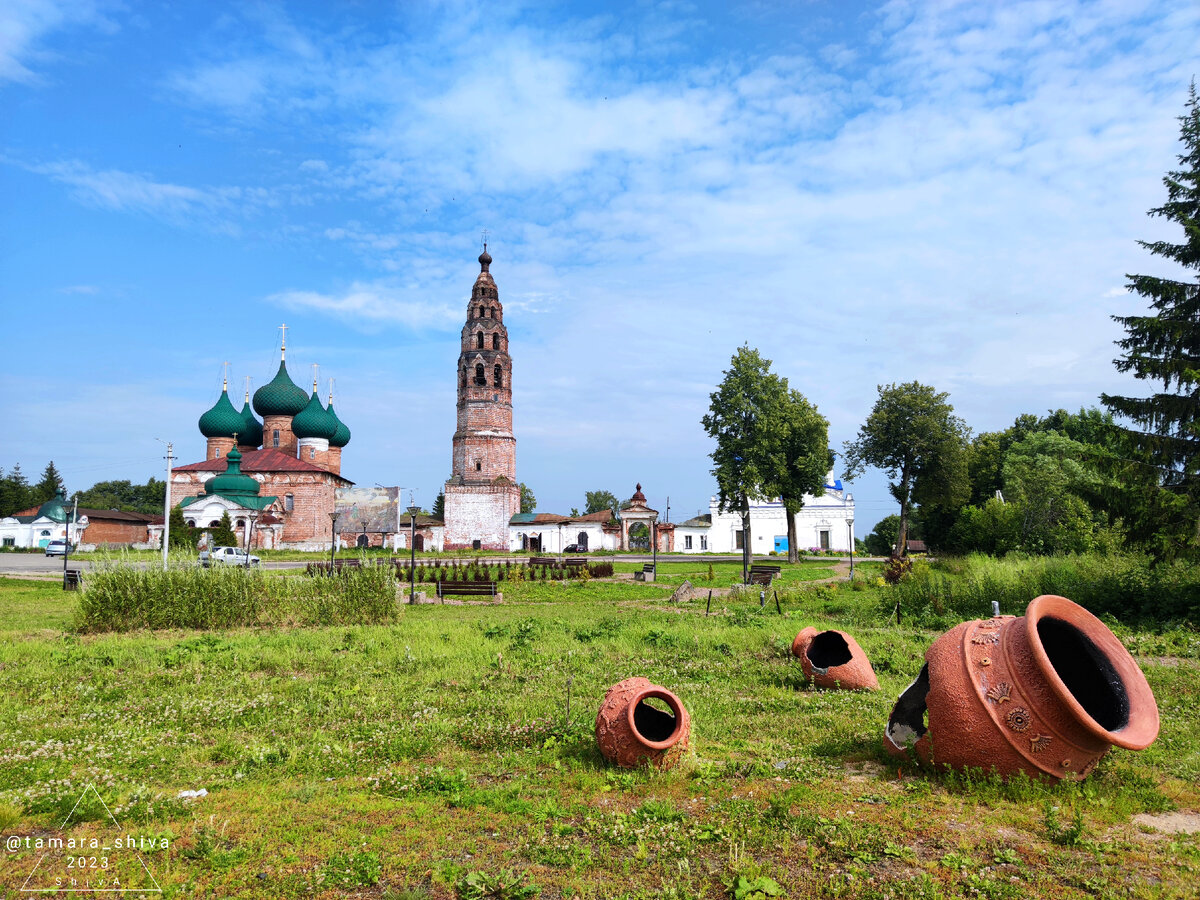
(850, 525)
(333, 517)
(252, 517)
(654, 544)
(412, 554)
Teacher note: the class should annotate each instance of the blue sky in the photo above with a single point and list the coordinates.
(866, 192)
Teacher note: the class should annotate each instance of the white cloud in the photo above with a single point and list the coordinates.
(368, 304)
(25, 24)
(137, 193)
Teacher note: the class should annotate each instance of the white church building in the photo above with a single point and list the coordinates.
(825, 523)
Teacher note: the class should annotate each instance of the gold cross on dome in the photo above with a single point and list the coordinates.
(283, 340)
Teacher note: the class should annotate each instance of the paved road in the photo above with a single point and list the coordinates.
(40, 565)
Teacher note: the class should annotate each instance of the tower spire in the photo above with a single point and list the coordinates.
(247, 388)
(315, 368)
(225, 377)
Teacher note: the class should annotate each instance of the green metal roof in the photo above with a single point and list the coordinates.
(222, 420)
(341, 437)
(253, 435)
(313, 421)
(280, 396)
(55, 509)
(234, 486)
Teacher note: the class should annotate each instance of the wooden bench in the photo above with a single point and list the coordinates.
(466, 589)
(72, 580)
(647, 573)
(764, 574)
(543, 560)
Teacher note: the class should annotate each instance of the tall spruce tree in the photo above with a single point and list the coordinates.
(50, 484)
(1165, 346)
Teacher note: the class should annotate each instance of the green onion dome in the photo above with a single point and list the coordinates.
(313, 421)
(253, 435)
(55, 509)
(280, 396)
(341, 437)
(222, 421)
(232, 481)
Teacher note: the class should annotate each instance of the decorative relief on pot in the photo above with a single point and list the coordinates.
(833, 659)
(1017, 718)
(640, 723)
(1057, 676)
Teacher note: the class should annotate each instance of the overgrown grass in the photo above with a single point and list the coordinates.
(452, 750)
(118, 596)
(1125, 587)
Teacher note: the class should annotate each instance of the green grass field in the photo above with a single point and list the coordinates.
(438, 757)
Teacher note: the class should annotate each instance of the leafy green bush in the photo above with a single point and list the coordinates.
(1126, 587)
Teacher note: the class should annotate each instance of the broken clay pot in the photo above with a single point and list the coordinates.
(632, 732)
(833, 659)
(1047, 694)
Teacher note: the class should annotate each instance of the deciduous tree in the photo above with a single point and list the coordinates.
(806, 460)
(746, 418)
(528, 501)
(598, 501)
(913, 435)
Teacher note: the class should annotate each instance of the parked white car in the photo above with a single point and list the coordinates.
(226, 556)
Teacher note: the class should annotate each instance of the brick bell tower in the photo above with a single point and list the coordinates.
(482, 493)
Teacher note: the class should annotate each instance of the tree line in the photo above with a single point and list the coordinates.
(1062, 482)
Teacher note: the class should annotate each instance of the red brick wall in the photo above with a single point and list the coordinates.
(100, 531)
(313, 499)
(287, 440)
(218, 447)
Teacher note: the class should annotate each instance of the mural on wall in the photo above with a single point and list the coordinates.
(373, 509)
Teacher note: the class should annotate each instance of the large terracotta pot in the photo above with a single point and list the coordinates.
(631, 732)
(833, 659)
(1046, 694)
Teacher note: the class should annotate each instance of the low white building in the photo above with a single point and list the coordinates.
(53, 520)
(825, 523)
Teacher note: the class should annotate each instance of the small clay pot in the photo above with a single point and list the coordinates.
(631, 732)
(1046, 694)
(833, 659)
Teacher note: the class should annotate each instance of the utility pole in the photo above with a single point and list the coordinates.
(166, 532)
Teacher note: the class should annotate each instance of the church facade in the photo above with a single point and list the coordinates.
(277, 478)
(482, 494)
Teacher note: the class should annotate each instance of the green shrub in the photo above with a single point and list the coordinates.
(1126, 587)
(118, 596)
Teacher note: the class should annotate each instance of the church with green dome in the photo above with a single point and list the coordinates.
(277, 477)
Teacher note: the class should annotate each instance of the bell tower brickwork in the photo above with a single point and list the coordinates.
(482, 493)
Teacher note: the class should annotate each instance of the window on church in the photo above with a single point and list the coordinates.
(479, 341)
(478, 465)
(312, 452)
(495, 342)
(289, 502)
(497, 377)
(275, 438)
(479, 379)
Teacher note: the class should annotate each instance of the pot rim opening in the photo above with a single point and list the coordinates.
(660, 693)
(1141, 726)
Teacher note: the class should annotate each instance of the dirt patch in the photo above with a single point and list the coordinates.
(1168, 662)
(1170, 823)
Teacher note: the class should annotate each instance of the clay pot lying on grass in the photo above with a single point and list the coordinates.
(632, 732)
(1046, 694)
(833, 659)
